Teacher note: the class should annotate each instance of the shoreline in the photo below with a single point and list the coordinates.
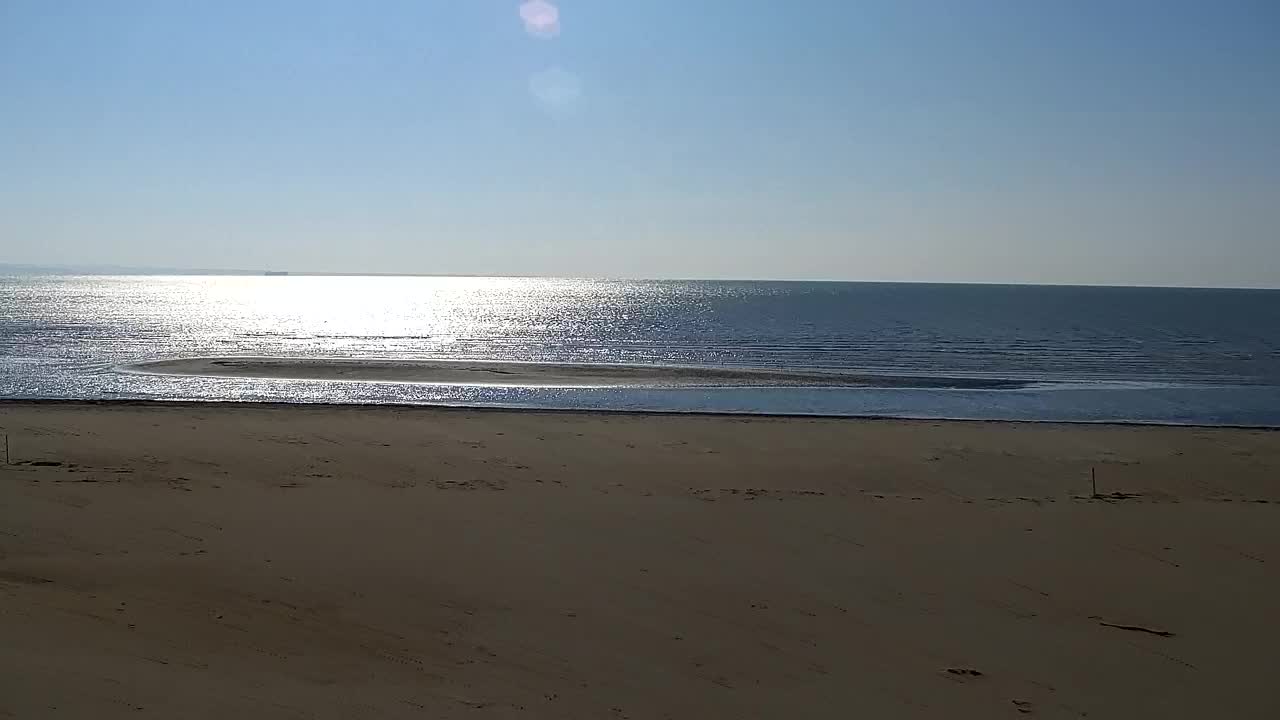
(551, 374)
(190, 404)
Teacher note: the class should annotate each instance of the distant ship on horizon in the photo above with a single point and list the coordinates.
(276, 273)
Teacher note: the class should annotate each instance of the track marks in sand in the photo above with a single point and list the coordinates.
(715, 494)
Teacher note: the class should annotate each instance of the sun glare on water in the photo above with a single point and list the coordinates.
(371, 316)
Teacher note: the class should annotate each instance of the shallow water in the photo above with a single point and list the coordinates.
(1128, 354)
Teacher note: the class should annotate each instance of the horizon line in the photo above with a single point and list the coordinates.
(35, 270)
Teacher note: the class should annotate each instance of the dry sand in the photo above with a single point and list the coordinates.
(287, 562)
(486, 372)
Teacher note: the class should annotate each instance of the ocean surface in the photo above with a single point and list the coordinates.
(1090, 354)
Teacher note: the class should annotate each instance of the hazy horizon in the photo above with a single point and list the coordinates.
(992, 141)
(108, 270)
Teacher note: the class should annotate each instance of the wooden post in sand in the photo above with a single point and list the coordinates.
(6, 449)
(1093, 478)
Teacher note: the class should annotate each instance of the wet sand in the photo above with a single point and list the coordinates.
(544, 374)
(212, 561)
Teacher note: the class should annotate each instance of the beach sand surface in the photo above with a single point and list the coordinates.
(213, 561)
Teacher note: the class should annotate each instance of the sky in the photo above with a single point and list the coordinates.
(1089, 141)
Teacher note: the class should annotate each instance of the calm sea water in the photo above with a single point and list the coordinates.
(1128, 354)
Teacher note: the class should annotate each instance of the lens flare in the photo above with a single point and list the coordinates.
(541, 18)
(556, 88)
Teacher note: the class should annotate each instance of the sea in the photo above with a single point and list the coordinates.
(1091, 354)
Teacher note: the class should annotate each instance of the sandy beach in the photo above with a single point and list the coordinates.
(541, 374)
(212, 561)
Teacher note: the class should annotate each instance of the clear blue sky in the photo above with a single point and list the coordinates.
(1091, 141)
